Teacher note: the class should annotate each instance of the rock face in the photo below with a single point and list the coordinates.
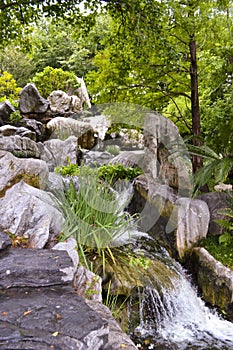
(31, 101)
(39, 309)
(178, 222)
(6, 109)
(28, 212)
(59, 153)
(60, 102)
(62, 128)
(166, 156)
(217, 202)
(12, 170)
(21, 146)
(214, 280)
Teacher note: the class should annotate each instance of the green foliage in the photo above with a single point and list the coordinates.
(110, 172)
(113, 149)
(93, 215)
(216, 168)
(51, 79)
(8, 87)
(220, 251)
(15, 118)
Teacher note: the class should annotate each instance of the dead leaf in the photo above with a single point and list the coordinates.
(58, 316)
(27, 312)
(55, 334)
(4, 313)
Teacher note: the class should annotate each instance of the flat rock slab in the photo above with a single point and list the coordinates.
(34, 268)
(49, 318)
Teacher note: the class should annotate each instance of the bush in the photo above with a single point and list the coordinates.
(8, 87)
(51, 79)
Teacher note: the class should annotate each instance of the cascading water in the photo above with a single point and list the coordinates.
(175, 318)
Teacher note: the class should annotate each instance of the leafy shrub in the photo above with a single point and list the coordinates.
(51, 79)
(8, 87)
(113, 149)
(110, 172)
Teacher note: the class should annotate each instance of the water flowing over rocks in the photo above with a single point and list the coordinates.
(214, 280)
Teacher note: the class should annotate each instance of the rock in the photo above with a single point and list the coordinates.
(22, 147)
(34, 268)
(24, 132)
(70, 246)
(166, 156)
(223, 187)
(217, 202)
(100, 125)
(214, 280)
(28, 212)
(31, 101)
(62, 128)
(192, 223)
(75, 104)
(88, 285)
(6, 109)
(59, 153)
(130, 159)
(178, 223)
(7, 130)
(5, 241)
(59, 101)
(12, 170)
(116, 339)
(96, 158)
(55, 183)
(50, 318)
(37, 127)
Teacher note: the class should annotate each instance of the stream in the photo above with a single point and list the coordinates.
(176, 318)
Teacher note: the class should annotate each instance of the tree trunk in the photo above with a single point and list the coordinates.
(196, 123)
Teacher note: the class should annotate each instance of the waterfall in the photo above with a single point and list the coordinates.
(179, 319)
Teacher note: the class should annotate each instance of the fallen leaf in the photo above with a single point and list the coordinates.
(58, 316)
(27, 312)
(55, 334)
(4, 313)
(123, 346)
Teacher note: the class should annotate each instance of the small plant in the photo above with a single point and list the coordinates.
(93, 215)
(15, 118)
(51, 79)
(113, 149)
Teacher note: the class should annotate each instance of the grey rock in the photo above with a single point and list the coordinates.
(7, 130)
(130, 159)
(6, 109)
(88, 284)
(97, 158)
(55, 183)
(59, 101)
(70, 246)
(12, 170)
(24, 132)
(45, 318)
(217, 202)
(28, 212)
(214, 280)
(59, 153)
(34, 268)
(31, 101)
(21, 146)
(5, 241)
(62, 128)
(37, 127)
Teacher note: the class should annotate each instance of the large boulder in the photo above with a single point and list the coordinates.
(58, 153)
(28, 212)
(166, 157)
(31, 101)
(179, 223)
(214, 280)
(62, 128)
(12, 170)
